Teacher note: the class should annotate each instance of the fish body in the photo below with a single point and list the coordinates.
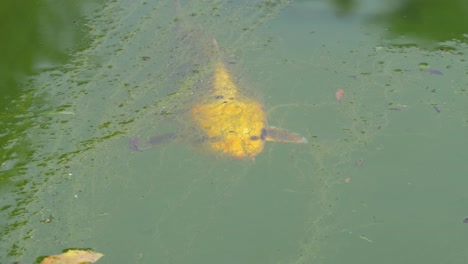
(231, 123)
(234, 124)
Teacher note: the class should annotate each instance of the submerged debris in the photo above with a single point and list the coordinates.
(434, 71)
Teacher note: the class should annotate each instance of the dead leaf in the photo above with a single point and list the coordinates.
(73, 257)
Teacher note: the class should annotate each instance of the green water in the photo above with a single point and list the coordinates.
(382, 179)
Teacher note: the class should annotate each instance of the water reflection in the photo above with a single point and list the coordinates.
(344, 7)
(429, 21)
(35, 34)
(420, 22)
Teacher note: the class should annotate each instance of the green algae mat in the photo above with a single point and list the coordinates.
(379, 91)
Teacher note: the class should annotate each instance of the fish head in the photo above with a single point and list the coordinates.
(235, 126)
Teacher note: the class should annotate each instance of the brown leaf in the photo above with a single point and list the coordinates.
(73, 257)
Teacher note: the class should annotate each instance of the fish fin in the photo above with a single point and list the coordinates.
(162, 139)
(277, 134)
(135, 145)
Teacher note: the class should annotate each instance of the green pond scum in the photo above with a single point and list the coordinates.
(381, 169)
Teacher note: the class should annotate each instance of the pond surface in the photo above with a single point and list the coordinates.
(382, 178)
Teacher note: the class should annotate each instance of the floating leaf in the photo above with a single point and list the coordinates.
(73, 257)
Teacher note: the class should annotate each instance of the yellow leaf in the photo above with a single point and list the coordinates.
(73, 257)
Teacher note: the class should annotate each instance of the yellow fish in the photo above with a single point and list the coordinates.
(232, 123)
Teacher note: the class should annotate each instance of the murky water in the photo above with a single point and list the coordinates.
(381, 180)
